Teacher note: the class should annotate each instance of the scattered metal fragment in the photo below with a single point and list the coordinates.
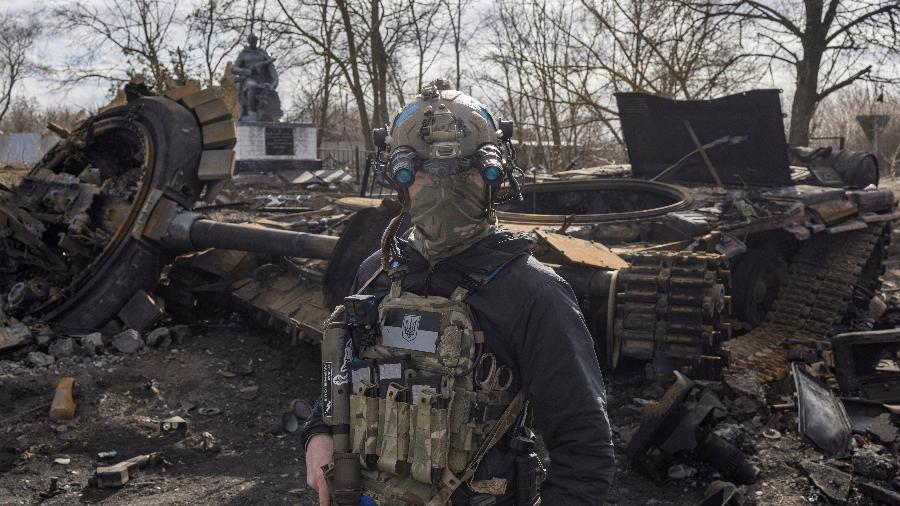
(883, 429)
(668, 428)
(727, 458)
(571, 250)
(657, 414)
(173, 424)
(878, 493)
(209, 411)
(118, 475)
(53, 488)
(862, 412)
(833, 483)
(684, 436)
(863, 363)
(822, 419)
(720, 493)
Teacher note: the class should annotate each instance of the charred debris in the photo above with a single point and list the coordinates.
(748, 271)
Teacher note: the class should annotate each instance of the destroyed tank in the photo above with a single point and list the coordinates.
(723, 245)
(88, 231)
(713, 254)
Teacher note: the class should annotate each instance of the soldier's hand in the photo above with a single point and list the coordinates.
(319, 452)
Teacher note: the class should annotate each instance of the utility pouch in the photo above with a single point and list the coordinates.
(462, 429)
(393, 430)
(364, 422)
(429, 437)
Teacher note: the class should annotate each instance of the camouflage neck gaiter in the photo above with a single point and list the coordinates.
(449, 214)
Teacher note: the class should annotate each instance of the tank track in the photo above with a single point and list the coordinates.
(813, 301)
(669, 308)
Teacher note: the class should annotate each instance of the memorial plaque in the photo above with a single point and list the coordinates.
(279, 141)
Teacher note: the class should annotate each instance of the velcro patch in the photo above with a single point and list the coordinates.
(411, 330)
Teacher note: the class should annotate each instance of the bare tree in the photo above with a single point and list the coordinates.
(141, 31)
(17, 36)
(428, 38)
(456, 9)
(559, 64)
(661, 47)
(828, 44)
(362, 49)
(27, 115)
(218, 31)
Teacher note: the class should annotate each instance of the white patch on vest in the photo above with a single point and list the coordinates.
(390, 371)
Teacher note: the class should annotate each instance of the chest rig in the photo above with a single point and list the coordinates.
(417, 421)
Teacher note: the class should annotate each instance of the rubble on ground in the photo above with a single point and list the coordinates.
(799, 408)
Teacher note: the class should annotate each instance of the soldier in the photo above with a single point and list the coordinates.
(255, 73)
(457, 339)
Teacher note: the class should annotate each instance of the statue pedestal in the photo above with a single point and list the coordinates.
(265, 147)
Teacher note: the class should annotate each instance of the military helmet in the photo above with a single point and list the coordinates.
(444, 132)
(443, 123)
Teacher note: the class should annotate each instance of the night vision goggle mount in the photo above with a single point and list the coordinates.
(496, 163)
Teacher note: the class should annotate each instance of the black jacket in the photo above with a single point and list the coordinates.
(532, 323)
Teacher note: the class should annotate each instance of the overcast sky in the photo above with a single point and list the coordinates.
(54, 49)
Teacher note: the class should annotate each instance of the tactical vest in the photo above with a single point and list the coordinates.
(418, 419)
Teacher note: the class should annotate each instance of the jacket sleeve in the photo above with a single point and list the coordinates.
(562, 379)
(314, 424)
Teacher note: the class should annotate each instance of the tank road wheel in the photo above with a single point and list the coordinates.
(155, 145)
(755, 283)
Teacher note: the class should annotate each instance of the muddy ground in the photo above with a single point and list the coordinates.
(242, 456)
(252, 460)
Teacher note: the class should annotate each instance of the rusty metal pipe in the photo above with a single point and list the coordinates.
(586, 281)
(213, 234)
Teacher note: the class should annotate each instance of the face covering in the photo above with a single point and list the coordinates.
(449, 214)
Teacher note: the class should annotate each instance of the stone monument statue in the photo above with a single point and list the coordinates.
(254, 72)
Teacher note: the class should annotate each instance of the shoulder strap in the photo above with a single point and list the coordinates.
(472, 281)
(371, 279)
(449, 481)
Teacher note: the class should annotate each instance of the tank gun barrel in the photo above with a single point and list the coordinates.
(191, 231)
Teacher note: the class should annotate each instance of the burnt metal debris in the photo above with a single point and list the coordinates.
(719, 254)
(867, 363)
(87, 232)
(821, 417)
(767, 253)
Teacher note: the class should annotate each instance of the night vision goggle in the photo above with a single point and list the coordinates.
(404, 163)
